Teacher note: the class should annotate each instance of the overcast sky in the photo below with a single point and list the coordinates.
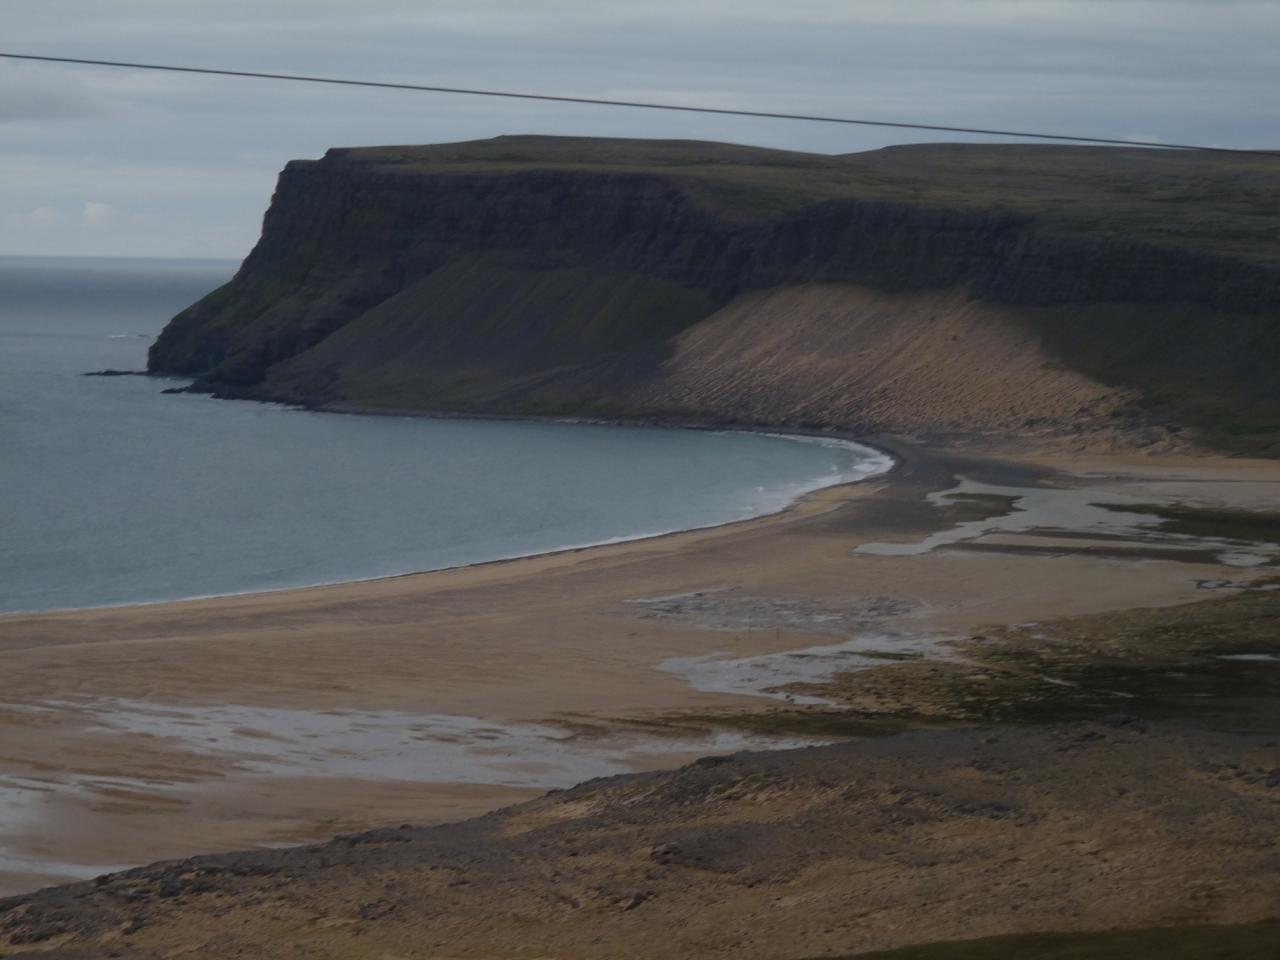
(99, 161)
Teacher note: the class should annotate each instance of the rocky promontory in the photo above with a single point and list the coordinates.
(883, 291)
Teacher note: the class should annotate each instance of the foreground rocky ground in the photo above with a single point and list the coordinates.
(857, 846)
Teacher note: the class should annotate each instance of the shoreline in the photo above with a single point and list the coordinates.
(878, 446)
(162, 716)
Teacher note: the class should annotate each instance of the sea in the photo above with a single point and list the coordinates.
(112, 492)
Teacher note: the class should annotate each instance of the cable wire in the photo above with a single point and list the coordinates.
(638, 104)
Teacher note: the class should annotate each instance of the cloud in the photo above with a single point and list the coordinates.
(97, 214)
(39, 217)
(185, 163)
(37, 92)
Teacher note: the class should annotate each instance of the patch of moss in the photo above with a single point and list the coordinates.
(1151, 664)
(1157, 663)
(1253, 526)
(968, 507)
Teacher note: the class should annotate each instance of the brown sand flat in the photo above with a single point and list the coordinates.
(553, 640)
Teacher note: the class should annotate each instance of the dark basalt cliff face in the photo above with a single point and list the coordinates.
(527, 286)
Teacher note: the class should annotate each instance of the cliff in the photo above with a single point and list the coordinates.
(640, 278)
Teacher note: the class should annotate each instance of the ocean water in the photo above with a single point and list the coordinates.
(113, 492)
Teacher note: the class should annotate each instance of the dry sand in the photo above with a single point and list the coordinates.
(138, 733)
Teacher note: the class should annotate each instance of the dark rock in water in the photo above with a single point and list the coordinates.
(117, 373)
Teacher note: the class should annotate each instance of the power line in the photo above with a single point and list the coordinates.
(597, 101)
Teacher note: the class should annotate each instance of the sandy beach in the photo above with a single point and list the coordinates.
(141, 733)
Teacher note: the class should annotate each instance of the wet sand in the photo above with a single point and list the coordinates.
(139, 733)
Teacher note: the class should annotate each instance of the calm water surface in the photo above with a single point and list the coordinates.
(115, 493)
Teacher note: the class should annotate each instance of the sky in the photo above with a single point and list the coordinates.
(102, 162)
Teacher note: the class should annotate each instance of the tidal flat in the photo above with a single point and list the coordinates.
(649, 654)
